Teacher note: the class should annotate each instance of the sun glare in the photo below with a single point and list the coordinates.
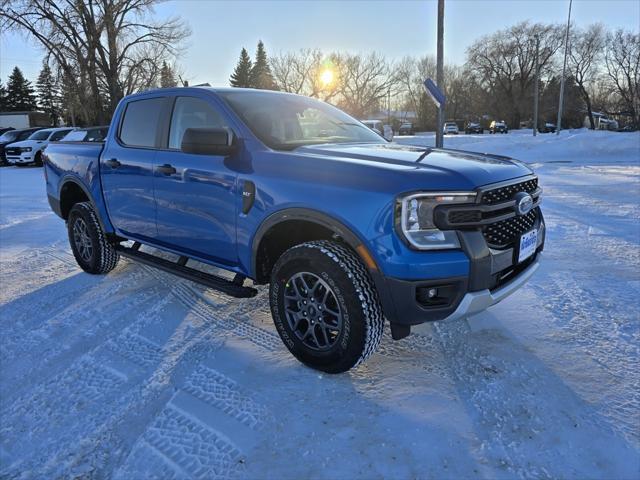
(327, 77)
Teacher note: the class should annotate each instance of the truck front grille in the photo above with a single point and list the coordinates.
(495, 214)
(504, 194)
(506, 233)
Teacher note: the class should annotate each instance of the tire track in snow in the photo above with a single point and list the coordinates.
(519, 407)
(34, 268)
(232, 317)
(582, 321)
(222, 392)
(35, 427)
(186, 447)
(82, 404)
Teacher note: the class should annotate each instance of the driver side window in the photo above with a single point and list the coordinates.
(191, 112)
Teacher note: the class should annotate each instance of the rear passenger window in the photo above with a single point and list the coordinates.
(140, 122)
(191, 112)
(58, 135)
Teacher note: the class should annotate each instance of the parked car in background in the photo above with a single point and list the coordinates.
(627, 128)
(384, 131)
(350, 231)
(5, 129)
(12, 136)
(90, 134)
(498, 127)
(450, 128)
(30, 150)
(548, 127)
(406, 129)
(473, 127)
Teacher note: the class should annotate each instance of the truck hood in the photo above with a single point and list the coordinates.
(461, 169)
(27, 143)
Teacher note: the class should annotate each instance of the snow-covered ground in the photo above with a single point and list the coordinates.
(139, 374)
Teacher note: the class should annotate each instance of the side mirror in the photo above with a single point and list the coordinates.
(208, 141)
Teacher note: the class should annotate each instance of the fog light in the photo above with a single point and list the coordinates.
(438, 296)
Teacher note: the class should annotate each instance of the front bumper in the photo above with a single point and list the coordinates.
(23, 158)
(493, 275)
(476, 302)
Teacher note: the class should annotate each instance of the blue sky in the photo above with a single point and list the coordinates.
(222, 28)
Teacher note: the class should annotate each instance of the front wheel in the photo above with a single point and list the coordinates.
(89, 244)
(325, 306)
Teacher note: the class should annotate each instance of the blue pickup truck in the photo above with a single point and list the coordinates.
(346, 228)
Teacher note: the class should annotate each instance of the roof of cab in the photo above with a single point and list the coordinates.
(174, 90)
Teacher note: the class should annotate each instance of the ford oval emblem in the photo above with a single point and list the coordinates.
(524, 203)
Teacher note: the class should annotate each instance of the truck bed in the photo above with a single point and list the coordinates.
(76, 161)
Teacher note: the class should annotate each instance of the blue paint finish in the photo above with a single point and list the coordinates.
(128, 189)
(79, 165)
(196, 206)
(197, 210)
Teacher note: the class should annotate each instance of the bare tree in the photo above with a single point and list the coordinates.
(301, 72)
(365, 81)
(584, 59)
(409, 75)
(622, 60)
(505, 63)
(107, 48)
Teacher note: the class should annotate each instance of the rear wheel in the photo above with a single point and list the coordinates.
(89, 244)
(325, 306)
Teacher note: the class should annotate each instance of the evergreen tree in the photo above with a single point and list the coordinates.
(167, 77)
(3, 97)
(20, 96)
(241, 76)
(261, 76)
(49, 94)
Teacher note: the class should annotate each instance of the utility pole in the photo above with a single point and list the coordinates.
(389, 106)
(440, 73)
(535, 88)
(564, 68)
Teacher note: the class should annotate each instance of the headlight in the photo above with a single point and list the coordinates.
(25, 149)
(415, 219)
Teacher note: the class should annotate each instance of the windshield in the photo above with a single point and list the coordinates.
(9, 136)
(285, 122)
(40, 135)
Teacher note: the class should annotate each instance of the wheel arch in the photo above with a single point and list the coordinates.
(71, 192)
(276, 234)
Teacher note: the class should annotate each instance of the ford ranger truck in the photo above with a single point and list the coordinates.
(346, 228)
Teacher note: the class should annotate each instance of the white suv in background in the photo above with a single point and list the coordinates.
(384, 131)
(30, 150)
(450, 128)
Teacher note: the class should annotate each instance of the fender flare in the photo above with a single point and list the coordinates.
(306, 214)
(75, 180)
(349, 237)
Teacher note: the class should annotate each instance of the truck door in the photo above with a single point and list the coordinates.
(126, 168)
(195, 194)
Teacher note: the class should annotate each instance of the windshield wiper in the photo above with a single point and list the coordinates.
(424, 154)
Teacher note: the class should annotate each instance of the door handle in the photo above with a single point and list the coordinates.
(113, 163)
(166, 169)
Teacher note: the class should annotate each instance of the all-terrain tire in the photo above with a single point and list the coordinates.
(38, 160)
(354, 292)
(96, 254)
